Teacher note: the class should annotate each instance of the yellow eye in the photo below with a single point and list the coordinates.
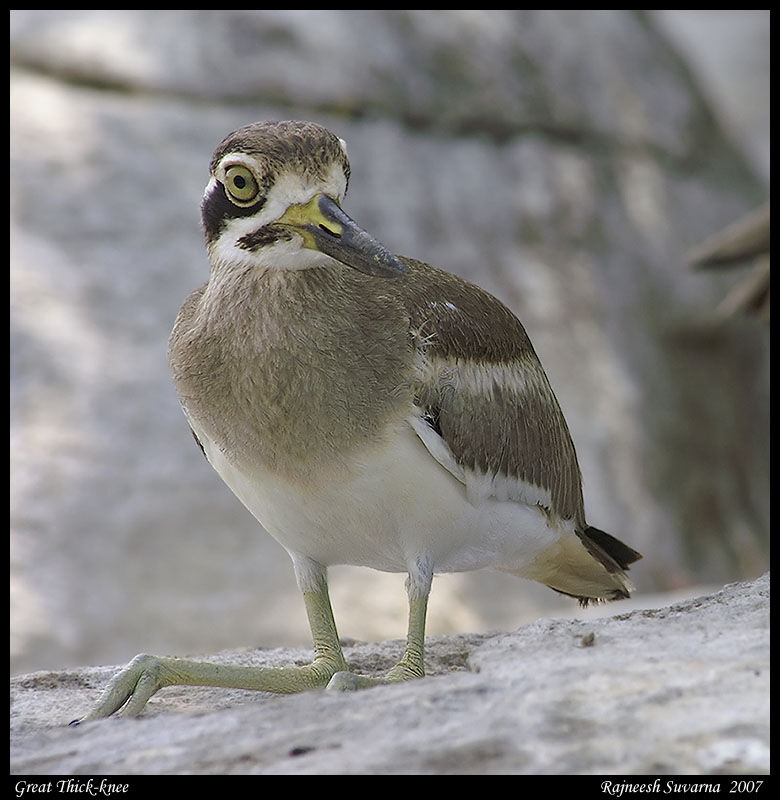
(241, 184)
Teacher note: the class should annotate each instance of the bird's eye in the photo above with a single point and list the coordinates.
(241, 184)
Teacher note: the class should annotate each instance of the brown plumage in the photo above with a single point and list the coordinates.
(367, 409)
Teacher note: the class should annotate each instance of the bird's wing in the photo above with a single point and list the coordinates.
(484, 408)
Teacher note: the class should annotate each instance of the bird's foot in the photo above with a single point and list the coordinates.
(131, 688)
(351, 681)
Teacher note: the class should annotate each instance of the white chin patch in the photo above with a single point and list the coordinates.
(283, 255)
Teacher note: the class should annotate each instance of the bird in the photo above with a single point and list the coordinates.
(367, 409)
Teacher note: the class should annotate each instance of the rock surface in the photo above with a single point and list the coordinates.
(568, 174)
(682, 689)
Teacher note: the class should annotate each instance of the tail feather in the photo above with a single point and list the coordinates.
(615, 556)
(601, 544)
(588, 565)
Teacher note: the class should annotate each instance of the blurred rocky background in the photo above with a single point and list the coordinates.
(567, 161)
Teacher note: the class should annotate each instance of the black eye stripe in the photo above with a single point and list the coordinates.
(217, 207)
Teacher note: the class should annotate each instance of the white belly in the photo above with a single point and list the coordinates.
(394, 505)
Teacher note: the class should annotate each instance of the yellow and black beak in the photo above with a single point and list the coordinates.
(327, 229)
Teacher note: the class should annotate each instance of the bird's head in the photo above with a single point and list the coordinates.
(274, 202)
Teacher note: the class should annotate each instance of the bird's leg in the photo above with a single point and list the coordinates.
(412, 664)
(129, 691)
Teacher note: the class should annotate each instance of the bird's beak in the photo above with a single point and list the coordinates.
(327, 229)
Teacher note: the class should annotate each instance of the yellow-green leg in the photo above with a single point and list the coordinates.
(130, 690)
(411, 664)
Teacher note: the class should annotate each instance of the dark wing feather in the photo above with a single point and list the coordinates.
(484, 389)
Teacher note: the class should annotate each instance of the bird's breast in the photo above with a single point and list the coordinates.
(289, 374)
(385, 507)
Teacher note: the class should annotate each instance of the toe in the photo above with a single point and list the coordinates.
(344, 682)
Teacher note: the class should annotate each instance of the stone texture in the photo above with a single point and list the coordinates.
(680, 689)
(568, 174)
